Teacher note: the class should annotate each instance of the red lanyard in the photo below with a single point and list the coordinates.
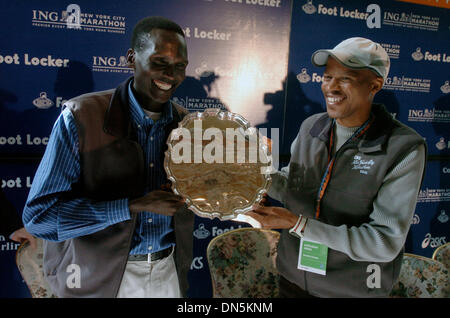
(331, 159)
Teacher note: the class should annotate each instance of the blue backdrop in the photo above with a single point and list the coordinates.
(249, 57)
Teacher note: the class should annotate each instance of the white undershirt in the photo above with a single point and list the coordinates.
(342, 134)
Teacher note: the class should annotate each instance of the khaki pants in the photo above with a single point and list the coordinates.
(158, 279)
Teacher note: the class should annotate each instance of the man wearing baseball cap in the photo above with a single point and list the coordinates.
(350, 189)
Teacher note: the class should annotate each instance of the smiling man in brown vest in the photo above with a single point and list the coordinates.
(351, 186)
(96, 200)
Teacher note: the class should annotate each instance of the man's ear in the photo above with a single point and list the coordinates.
(377, 85)
(130, 58)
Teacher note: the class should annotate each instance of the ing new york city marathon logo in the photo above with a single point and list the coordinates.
(73, 18)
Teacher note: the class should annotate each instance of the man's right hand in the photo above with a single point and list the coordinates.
(22, 235)
(158, 201)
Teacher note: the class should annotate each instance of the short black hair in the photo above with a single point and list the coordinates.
(146, 25)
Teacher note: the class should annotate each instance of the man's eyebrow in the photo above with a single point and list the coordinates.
(162, 58)
(156, 57)
(353, 72)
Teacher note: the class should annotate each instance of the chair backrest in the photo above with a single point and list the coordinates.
(442, 254)
(30, 264)
(421, 277)
(242, 264)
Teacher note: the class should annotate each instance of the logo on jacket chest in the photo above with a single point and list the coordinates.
(361, 164)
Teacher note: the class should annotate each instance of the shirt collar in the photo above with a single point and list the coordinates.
(138, 115)
(375, 137)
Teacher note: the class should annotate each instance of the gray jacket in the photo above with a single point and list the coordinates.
(348, 199)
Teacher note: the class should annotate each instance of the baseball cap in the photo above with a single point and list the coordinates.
(356, 53)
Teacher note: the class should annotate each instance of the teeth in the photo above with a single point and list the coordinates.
(334, 100)
(162, 85)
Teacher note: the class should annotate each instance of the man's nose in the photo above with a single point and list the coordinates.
(169, 71)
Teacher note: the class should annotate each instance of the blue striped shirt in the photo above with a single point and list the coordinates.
(50, 218)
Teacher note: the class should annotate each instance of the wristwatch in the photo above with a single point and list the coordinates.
(299, 227)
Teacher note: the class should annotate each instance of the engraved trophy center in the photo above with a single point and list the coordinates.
(219, 164)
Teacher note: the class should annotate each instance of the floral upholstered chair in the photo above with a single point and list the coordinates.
(442, 254)
(30, 262)
(242, 264)
(422, 277)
